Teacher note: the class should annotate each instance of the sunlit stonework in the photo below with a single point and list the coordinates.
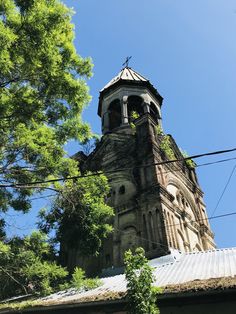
(159, 207)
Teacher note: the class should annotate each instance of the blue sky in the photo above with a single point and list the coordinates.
(188, 51)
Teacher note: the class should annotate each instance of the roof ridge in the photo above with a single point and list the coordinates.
(212, 250)
(132, 76)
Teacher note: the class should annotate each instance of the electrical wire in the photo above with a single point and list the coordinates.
(170, 225)
(205, 219)
(224, 190)
(203, 165)
(98, 173)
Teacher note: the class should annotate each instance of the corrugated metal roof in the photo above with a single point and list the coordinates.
(198, 266)
(173, 269)
(127, 74)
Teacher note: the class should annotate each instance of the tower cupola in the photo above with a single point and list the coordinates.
(127, 96)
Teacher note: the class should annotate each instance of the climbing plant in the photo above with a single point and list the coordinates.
(189, 162)
(166, 147)
(134, 115)
(159, 130)
(165, 144)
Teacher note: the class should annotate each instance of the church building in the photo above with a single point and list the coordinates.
(158, 204)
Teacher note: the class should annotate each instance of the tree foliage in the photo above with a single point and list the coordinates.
(141, 295)
(79, 215)
(42, 95)
(26, 267)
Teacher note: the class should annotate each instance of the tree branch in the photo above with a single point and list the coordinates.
(9, 275)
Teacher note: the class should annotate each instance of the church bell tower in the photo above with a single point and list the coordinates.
(158, 205)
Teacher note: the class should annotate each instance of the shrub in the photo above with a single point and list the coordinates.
(166, 147)
(79, 281)
(140, 292)
(190, 163)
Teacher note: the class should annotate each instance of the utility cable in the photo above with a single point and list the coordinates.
(203, 219)
(224, 190)
(203, 165)
(98, 173)
(170, 225)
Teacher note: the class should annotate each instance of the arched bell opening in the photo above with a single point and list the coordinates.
(134, 106)
(114, 111)
(154, 112)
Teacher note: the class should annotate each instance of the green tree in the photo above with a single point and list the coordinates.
(42, 94)
(79, 215)
(140, 292)
(26, 267)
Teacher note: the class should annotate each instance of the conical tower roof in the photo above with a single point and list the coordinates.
(128, 76)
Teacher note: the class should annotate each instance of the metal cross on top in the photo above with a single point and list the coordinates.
(126, 63)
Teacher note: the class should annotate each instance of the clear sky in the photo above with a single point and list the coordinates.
(187, 49)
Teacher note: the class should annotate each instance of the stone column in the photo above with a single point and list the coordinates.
(146, 108)
(124, 110)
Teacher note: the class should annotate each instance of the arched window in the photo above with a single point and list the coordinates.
(145, 234)
(114, 111)
(181, 241)
(159, 226)
(134, 107)
(152, 234)
(154, 112)
(171, 233)
(122, 189)
(174, 232)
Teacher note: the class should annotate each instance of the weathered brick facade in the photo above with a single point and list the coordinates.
(158, 205)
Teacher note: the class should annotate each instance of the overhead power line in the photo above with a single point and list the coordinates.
(205, 219)
(98, 173)
(224, 190)
(170, 225)
(215, 162)
(203, 165)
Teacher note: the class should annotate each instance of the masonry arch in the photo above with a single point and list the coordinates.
(154, 112)
(152, 230)
(181, 241)
(134, 105)
(145, 234)
(179, 191)
(114, 111)
(159, 226)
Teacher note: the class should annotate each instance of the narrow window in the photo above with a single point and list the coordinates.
(122, 190)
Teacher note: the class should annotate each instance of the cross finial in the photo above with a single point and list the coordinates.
(126, 63)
